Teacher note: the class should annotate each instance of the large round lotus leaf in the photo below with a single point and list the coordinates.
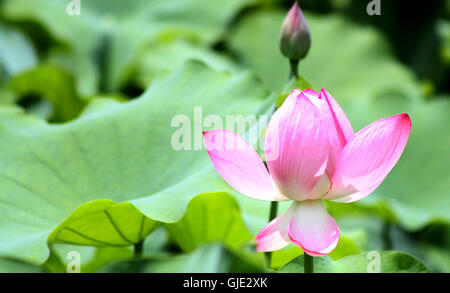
(106, 177)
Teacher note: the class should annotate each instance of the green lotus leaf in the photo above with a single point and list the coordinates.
(16, 266)
(115, 33)
(159, 59)
(91, 259)
(210, 218)
(101, 173)
(117, 222)
(54, 85)
(346, 246)
(206, 259)
(388, 262)
(16, 51)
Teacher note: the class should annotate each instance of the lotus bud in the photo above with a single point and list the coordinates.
(295, 36)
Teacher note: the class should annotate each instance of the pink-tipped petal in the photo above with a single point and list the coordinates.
(313, 229)
(340, 130)
(310, 93)
(274, 235)
(342, 124)
(368, 157)
(239, 164)
(297, 146)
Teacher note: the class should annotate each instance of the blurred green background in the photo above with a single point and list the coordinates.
(83, 165)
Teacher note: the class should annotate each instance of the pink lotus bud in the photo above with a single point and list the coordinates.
(295, 36)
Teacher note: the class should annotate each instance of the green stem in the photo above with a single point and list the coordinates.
(308, 263)
(272, 214)
(294, 68)
(273, 210)
(138, 248)
(387, 241)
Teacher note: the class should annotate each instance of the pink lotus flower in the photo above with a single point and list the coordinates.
(312, 155)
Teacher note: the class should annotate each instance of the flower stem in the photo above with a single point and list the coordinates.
(386, 234)
(308, 263)
(272, 215)
(294, 68)
(138, 248)
(273, 210)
